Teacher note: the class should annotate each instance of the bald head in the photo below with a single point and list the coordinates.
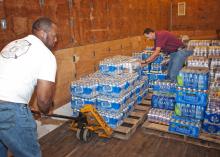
(43, 23)
(45, 29)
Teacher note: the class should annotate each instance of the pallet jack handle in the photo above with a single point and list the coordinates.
(54, 115)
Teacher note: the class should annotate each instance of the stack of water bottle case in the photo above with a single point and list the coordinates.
(163, 98)
(186, 106)
(191, 111)
(113, 90)
(211, 122)
(210, 50)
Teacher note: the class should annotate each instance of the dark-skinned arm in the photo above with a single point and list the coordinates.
(45, 93)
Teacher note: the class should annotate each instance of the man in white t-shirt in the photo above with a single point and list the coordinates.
(24, 64)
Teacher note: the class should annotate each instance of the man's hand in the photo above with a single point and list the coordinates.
(143, 63)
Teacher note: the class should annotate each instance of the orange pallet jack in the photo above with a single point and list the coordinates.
(88, 121)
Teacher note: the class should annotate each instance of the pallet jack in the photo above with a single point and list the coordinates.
(88, 121)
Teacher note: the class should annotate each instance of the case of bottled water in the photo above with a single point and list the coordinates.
(117, 86)
(159, 116)
(215, 43)
(119, 64)
(212, 113)
(105, 103)
(214, 51)
(112, 119)
(140, 97)
(185, 125)
(211, 122)
(189, 110)
(164, 86)
(198, 62)
(155, 76)
(156, 66)
(86, 88)
(211, 128)
(189, 96)
(194, 78)
(163, 101)
(194, 43)
(215, 69)
(78, 102)
(201, 51)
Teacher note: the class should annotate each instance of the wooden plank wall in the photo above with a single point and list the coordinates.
(201, 20)
(82, 22)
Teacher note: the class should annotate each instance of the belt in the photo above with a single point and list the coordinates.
(2, 101)
(181, 48)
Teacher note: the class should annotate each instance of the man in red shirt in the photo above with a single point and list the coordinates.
(169, 44)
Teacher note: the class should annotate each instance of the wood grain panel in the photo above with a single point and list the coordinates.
(200, 14)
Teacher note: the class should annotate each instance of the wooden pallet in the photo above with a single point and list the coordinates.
(206, 140)
(147, 100)
(130, 124)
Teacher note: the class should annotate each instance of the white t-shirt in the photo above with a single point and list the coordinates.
(22, 62)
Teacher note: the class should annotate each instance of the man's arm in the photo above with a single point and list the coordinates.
(45, 92)
(153, 56)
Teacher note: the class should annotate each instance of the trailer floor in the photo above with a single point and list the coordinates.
(62, 142)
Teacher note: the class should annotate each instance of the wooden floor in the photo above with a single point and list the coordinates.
(62, 143)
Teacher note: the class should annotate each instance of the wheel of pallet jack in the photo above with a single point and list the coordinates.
(86, 135)
(78, 134)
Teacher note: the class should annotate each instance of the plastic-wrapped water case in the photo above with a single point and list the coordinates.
(212, 114)
(212, 117)
(116, 86)
(193, 78)
(78, 102)
(110, 67)
(119, 64)
(84, 88)
(188, 110)
(112, 119)
(211, 128)
(158, 67)
(140, 97)
(194, 43)
(201, 51)
(110, 104)
(184, 125)
(214, 51)
(198, 62)
(215, 43)
(159, 116)
(127, 109)
(155, 76)
(164, 86)
(189, 96)
(163, 101)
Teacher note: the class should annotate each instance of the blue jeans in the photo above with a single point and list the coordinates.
(177, 60)
(18, 131)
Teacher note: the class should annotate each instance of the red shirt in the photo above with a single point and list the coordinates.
(167, 41)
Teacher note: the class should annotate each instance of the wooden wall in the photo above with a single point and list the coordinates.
(201, 20)
(82, 22)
